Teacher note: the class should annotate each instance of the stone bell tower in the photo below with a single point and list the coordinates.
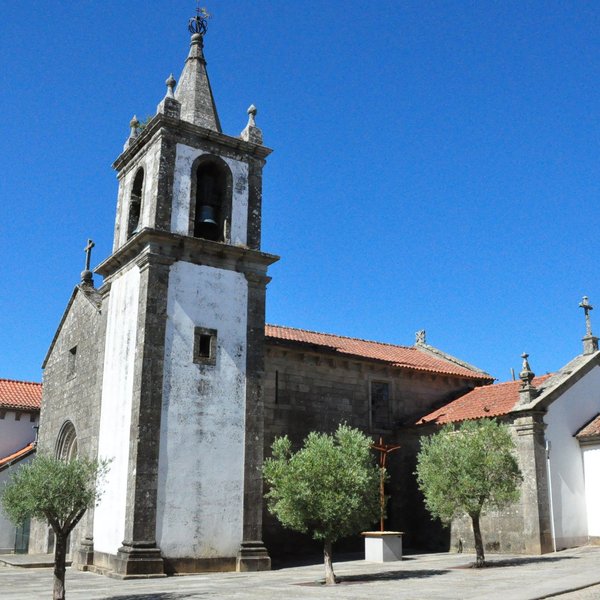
(183, 306)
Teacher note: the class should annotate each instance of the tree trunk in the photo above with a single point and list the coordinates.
(480, 560)
(60, 557)
(329, 574)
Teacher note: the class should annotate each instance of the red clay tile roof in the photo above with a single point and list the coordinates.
(18, 455)
(20, 395)
(485, 401)
(591, 429)
(409, 357)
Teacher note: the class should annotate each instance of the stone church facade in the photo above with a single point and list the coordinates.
(168, 370)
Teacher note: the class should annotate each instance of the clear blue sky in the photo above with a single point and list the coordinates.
(435, 165)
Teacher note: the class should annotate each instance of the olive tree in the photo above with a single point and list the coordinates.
(467, 471)
(57, 491)
(328, 489)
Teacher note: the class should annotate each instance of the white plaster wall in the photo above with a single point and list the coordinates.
(149, 162)
(565, 417)
(201, 468)
(15, 435)
(7, 529)
(591, 465)
(115, 415)
(180, 215)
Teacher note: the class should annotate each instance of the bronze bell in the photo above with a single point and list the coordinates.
(207, 215)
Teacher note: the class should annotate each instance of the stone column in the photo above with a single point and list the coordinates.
(253, 555)
(535, 500)
(139, 554)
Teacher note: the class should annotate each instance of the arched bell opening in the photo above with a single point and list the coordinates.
(135, 203)
(210, 208)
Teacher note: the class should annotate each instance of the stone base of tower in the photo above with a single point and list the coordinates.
(253, 556)
(140, 560)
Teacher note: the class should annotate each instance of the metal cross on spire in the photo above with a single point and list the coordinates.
(586, 308)
(88, 254)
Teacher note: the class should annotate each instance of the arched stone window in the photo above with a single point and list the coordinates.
(135, 203)
(210, 207)
(66, 443)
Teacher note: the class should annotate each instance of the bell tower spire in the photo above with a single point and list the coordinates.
(194, 91)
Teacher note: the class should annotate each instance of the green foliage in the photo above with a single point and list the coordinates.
(329, 488)
(53, 489)
(468, 470)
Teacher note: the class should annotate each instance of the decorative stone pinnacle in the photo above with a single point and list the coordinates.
(170, 82)
(586, 309)
(527, 392)
(251, 132)
(420, 337)
(526, 375)
(252, 111)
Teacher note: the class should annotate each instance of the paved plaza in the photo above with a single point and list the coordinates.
(417, 577)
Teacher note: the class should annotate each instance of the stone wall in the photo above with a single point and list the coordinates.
(523, 527)
(70, 393)
(309, 390)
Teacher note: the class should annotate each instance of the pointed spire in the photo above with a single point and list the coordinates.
(527, 391)
(194, 91)
(252, 133)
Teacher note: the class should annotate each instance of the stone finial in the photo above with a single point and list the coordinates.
(527, 391)
(590, 341)
(170, 82)
(420, 337)
(87, 277)
(134, 131)
(169, 106)
(251, 132)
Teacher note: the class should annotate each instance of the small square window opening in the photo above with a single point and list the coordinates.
(205, 346)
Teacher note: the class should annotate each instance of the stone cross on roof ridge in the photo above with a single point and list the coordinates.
(585, 304)
(590, 341)
(86, 274)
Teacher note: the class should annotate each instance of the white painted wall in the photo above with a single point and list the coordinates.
(149, 162)
(201, 468)
(15, 435)
(565, 417)
(7, 529)
(180, 215)
(591, 466)
(115, 416)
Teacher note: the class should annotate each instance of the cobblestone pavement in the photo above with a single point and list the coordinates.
(419, 577)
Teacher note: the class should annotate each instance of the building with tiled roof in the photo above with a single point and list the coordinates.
(555, 421)
(19, 417)
(419, 357)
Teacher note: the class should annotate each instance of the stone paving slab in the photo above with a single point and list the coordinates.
(419, 577)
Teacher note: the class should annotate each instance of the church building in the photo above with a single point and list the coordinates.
(168, 369)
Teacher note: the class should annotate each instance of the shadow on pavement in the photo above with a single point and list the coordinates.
(383, 576)
(517, 562)
(158, 596)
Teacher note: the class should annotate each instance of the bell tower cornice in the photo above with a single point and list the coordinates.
(188, 133)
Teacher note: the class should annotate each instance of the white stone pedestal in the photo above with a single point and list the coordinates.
(383, 546)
